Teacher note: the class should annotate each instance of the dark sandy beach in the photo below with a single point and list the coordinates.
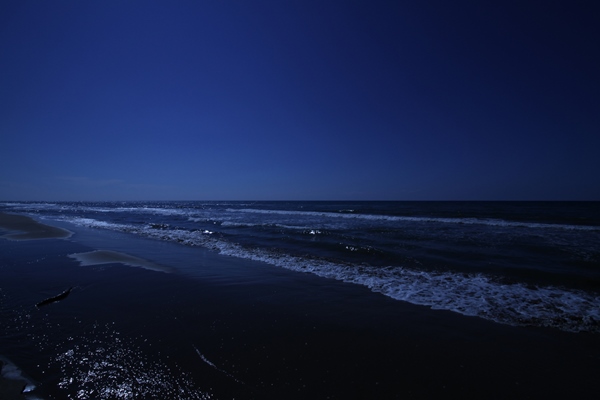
(28, 228)
(10, 389)
(220, 327)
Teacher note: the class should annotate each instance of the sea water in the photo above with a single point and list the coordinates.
(516, 263)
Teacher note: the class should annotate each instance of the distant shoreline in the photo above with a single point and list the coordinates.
(29, 229)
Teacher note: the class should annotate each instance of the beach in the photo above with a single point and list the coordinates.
(28, 229)
(155, 319)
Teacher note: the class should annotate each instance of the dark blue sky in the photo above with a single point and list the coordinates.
(276, 100)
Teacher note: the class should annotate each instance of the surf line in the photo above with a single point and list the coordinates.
(215, 367)
(54, 299)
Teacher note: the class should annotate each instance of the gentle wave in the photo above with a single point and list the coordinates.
(25, 206)
(396, 218)
(300, 228)
(227, 214)
(468, 294)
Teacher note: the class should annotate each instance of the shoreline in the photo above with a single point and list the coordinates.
(29, 229)
(247, 330)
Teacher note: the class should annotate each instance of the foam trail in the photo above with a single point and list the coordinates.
(206, 360)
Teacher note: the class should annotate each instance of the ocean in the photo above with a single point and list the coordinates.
(517, 265)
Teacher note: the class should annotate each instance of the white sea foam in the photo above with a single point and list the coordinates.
(94, 223)
(25, 206)
(234, 224)
(468, 294)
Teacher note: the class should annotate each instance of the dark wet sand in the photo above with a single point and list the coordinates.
(277, 334)
(11, 389)
(101, 257)
(29, 228)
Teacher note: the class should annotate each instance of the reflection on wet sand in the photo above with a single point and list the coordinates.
(99, 257)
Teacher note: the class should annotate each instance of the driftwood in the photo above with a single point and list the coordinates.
(54, 299)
